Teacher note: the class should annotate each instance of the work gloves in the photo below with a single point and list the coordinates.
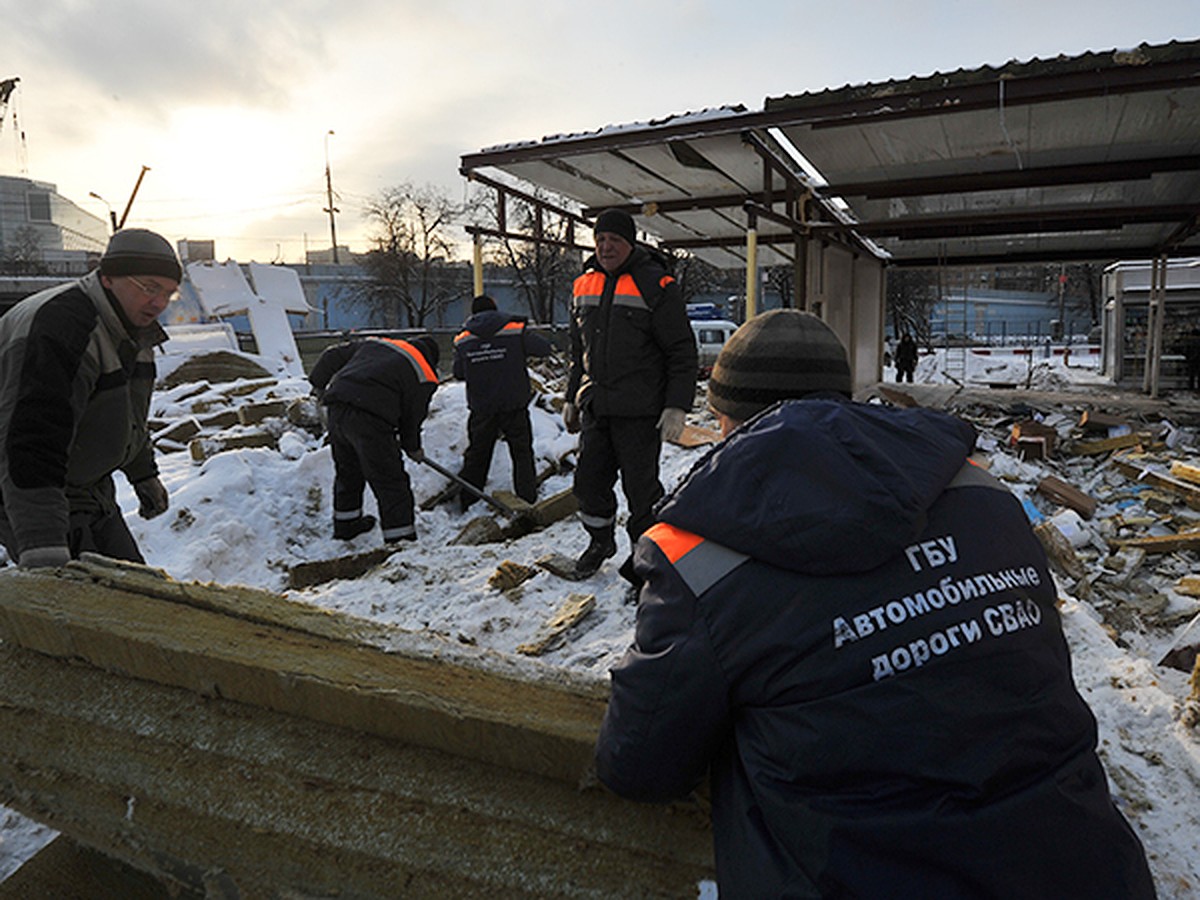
(416, 456)
(152, 497)
(570, 414)
(43, 557)
(670, 423)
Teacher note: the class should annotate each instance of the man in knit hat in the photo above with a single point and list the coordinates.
(76, 374)
(631, 382)
(854, 631)
(490, 355)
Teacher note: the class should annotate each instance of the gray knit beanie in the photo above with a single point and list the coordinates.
(136, 251)
(780, 355)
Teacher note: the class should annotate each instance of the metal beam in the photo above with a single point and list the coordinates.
(1085, 173)
(1026, 221)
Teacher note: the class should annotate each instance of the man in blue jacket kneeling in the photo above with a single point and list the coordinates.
(854, 630)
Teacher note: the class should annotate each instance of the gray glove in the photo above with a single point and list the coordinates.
(44, 557)
(570, 414)
(670, 423)
(416, 456)
(152, 497)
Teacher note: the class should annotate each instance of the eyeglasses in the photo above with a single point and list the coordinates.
(154, 290)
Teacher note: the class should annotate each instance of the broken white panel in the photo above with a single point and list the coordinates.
(222, 287)
(224, 291)
(273, 335)
(280, 285)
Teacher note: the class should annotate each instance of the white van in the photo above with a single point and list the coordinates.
(711, 335)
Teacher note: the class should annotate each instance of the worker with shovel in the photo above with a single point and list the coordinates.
(377, 392)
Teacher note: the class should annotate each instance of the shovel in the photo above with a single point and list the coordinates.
(467, 486)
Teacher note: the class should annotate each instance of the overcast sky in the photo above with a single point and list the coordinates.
(230, 102)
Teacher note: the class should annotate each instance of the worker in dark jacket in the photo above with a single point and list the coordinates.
(854, 631)
(76, 375)
(377, 393)
(630, 385)
(490, 355)
(906, 358)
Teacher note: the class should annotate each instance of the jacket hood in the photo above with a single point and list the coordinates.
(822, 486)
(485, 324)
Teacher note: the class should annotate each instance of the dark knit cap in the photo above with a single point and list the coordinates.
(428, 347)
(136, 251)
(617, 222)
(482, 303)
(780, 355)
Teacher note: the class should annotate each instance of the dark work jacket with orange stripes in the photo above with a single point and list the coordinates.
(385, 377)
(632, 348)
(855, 634)
(490, 354)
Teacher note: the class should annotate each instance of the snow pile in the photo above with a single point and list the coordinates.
(246, 516)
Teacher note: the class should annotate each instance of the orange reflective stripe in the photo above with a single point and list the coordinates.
(461, 336)
(674, 542)
(417, 357)
(589, 283)
(513, 326)
(665, 280)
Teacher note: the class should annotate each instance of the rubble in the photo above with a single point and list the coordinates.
(1114, 498)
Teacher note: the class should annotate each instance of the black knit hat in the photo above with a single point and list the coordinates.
(482, 303)
(780, 355)
(428, 347)
(617, 222)
(136, 251)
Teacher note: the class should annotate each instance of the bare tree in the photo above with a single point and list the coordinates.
(542, 268)
(23, 255)
(911, 296)
(411, 267)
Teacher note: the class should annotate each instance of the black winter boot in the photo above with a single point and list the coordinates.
(601, 548)
(349, 529)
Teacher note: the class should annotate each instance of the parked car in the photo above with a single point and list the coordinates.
(711, 335)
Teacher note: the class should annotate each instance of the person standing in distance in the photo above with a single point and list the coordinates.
(76, 374)
(853, 632)
(377, 392)
(490, 355)
(631, 382)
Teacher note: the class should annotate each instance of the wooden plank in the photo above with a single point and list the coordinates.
(1188, 585)
(232, 800)
(573, 610)
(1166, 543)
(1185, 472)
(1189, 492)
(1067, 495)
(1107, 445)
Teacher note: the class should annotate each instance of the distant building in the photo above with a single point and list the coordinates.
(42, 232)
(1126, 316)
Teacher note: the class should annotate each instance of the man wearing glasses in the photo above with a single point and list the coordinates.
(76, 374)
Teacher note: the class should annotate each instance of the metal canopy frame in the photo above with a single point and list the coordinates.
(1093, 157)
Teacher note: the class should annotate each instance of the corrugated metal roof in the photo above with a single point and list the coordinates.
(1095, 156)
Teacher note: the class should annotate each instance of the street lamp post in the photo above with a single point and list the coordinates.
(331, 209)
(112, 216)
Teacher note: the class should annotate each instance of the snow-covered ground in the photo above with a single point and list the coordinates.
(246, 516)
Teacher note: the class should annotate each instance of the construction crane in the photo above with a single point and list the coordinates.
(7, 87)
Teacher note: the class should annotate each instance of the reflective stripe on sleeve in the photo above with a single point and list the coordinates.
(699, 562)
